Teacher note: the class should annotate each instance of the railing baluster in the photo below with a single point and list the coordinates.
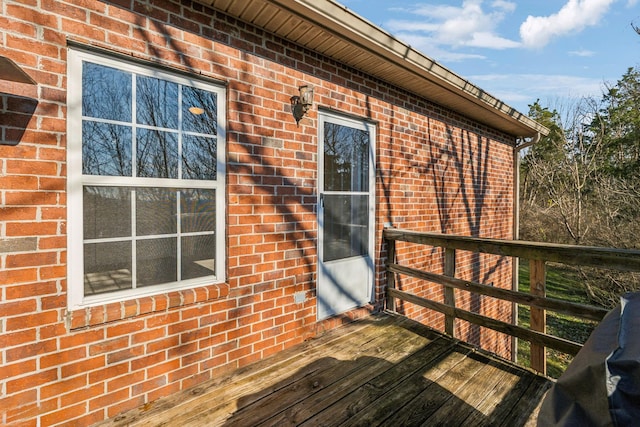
(391, 276)
(449, 295)
(537, 280)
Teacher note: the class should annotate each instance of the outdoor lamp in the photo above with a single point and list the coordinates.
(301, 104)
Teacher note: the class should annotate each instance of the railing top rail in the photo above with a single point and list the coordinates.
(612, 258)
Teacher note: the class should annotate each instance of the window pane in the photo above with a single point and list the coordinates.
(144, 180)
(106, 92)
(198, 256)
(156, 261)
(106, 149)
(198, 157)
(156, 102)
(346, 230)
(198, 211)
(346, 164)
(157, 154)
(107, 267)
(156, 211)
(199, 111)
(107, 212)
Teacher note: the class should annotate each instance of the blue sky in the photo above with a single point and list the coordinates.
(519, 51)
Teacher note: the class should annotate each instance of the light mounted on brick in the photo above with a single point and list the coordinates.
(301, 104)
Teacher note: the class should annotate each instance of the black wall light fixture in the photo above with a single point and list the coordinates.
(301, 104)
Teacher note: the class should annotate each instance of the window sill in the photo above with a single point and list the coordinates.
(111, 312)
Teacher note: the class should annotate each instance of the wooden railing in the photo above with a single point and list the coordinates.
(538, 255)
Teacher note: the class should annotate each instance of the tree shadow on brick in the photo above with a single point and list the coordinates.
(457, 164)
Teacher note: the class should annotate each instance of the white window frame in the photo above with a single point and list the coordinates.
(76, 181)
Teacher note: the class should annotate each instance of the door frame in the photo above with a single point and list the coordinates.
(371, 127)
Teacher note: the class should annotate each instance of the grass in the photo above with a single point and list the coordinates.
(562, 283)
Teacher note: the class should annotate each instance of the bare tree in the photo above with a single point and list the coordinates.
(580, 184)
(558, 181)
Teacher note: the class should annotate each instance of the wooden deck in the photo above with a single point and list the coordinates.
(385, 370)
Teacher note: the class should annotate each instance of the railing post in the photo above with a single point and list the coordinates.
(449, 295)
(391, 277)
(537, 280)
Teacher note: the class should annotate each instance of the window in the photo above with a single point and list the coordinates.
(146, 180)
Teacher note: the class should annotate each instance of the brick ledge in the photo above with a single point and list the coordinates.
(111, 312)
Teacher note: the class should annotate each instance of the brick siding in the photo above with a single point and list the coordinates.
(436, 171)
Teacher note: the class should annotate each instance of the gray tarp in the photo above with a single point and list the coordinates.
(601, 387)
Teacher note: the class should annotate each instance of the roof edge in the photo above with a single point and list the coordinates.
(341, 20)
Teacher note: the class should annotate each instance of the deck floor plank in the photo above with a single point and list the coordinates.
(336, 368)
(506, 386)
(385, 370)
(389, 407)
(466, 400)
(221, 394)
(525, 409)
(338, 390)
(239, 393)
(363, 405)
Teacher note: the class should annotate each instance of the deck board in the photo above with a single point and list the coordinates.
(385, 370)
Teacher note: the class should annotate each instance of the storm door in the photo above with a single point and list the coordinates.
(345, 214)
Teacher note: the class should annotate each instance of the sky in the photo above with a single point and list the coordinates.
(557, 51)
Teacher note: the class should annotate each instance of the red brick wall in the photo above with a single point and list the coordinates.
(455, 182)
(436, 172)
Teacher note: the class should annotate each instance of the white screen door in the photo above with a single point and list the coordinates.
(345, 214)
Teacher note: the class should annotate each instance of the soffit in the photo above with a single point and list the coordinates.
(333, 30)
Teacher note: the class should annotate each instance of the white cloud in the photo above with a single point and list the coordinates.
(582, 52)
(519, 90)
(430, 47)
(468, 25)
(573, 17)
(483, 39)
(505, 5)
(411, 26)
